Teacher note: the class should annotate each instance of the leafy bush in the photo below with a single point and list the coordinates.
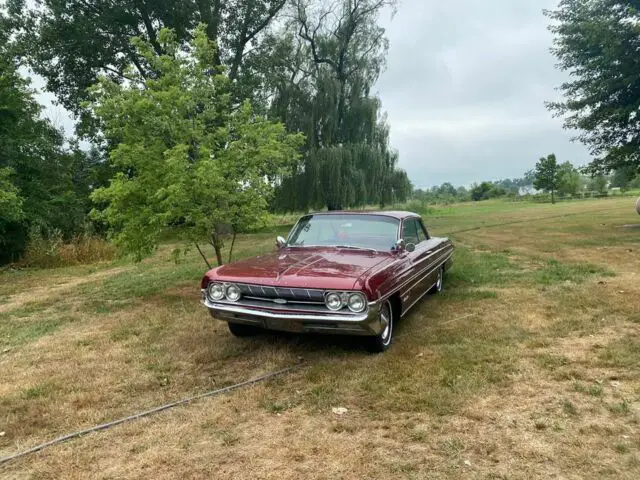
(416, 206)
(51, 251)
(635, 183)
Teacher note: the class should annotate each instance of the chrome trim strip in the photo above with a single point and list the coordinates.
(422, 271)
(426, 291)
(404, 312)
(388, 294)
(284, 315)
(422, 294)
(206, 301)
(287, 302)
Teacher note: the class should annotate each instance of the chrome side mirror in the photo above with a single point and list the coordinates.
(410, 247)
(280, 241)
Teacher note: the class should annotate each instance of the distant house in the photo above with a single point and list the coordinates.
(528, 190)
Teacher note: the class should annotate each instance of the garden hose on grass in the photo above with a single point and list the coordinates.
(105, 426)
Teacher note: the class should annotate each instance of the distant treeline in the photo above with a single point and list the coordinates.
(571, 183)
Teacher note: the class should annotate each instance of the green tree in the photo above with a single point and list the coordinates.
(635, 182)
(623, 176)
(321, 73)
(597, 42)
(44, 176)
(10, 200)
(463, 194)
(569, 179)
(598, 184)
(486, 190)
(546, 175)
(73, 42)
(186, 158)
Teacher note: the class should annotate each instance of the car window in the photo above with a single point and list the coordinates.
(424, 229)
(410, 231)
(366, 231)
(422, 236)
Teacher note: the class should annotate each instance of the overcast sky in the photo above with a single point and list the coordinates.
(464, 89)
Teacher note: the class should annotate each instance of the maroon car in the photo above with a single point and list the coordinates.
(351, 273)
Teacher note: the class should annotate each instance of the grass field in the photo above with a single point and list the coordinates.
(525, 367)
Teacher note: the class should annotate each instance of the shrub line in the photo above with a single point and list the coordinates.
(145, 413)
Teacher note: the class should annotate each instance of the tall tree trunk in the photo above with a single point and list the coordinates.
(218, 250)
(216, 243)
(233, 241)
(553, 200)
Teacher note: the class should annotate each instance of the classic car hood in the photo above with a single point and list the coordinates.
(304, 268)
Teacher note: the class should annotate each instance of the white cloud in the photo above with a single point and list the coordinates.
(464, 90)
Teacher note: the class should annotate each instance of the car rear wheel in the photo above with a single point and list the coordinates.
(381, 342)
(242, 330)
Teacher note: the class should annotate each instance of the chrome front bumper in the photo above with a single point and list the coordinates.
(366, 323)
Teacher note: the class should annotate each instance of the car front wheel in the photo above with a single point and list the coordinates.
(381, 342)
(437, 288)
(242, 330)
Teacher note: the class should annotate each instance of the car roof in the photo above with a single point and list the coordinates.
(399, 214)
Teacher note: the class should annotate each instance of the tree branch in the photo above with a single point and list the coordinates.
(246, 36)
(117, 72)
(151, 33)
(210, 14)
(203, 256)
(303, 33)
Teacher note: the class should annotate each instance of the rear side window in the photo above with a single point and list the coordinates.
(410, 231)
(422, 231)
(422, 235)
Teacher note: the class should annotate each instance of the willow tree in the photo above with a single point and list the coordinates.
(321, 73)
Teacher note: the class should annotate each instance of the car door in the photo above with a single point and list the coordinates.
(434, 252)
(420, 258)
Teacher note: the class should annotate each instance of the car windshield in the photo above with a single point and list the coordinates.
(349, 231)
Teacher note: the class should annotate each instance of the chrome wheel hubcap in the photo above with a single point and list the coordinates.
(385, 318)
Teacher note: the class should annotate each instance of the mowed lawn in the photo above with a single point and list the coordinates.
(526, 366)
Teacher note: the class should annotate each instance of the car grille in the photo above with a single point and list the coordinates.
(291, 295)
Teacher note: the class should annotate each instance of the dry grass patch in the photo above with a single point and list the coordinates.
(523, 368)
(42, 292)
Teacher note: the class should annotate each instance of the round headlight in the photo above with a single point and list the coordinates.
(216, 291)
(233, 293)
(333, 301)
(357, 302)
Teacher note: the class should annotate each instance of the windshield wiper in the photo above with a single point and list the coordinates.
(353, 247)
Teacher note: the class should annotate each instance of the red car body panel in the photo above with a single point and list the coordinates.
(317, 268)
(377, 274)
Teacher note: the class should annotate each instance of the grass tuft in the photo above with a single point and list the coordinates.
(41, 390)
(620, 408)
(554, 271)
(595, 389)
(569, 408)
